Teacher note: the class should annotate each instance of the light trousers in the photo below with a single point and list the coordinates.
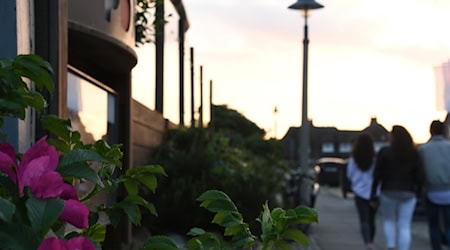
(397, 216)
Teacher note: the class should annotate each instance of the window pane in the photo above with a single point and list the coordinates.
(90, 108)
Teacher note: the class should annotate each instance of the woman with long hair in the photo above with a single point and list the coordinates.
(360, 169)
(398, 171)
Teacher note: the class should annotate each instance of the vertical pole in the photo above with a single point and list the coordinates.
(275, 112)
(304, 132)
(181, 62)
(192, 88)
(201, 98)
(210, 102)
(159, 57)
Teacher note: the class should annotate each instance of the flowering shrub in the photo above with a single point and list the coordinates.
(38, 198)
(74, 243)
(39, 205)
(36, 173)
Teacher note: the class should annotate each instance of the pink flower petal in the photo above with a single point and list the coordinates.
(8, 160)
(48, 185)
(79, 243)
(35, 168)
(76, 243)
(68, 193)
(38, 159)
(52, 244)
(41, 148)
(76, 213)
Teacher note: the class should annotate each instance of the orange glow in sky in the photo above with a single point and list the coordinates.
(366, 59)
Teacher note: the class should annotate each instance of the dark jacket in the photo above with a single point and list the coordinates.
(396, 174)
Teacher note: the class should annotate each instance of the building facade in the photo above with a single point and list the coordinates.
(90, 45)
(329, 141)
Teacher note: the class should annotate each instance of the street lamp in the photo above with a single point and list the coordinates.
(305, 6)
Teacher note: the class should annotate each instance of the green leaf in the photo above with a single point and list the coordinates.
(281, 245)
(149, 169)
(295, 235)
(93, 218)
(244, 239)
(8, 184)
(219, 205)
(35, 100)
(82, 171)
(194, 244)
(36, 69)
(159, 243)
(149, 181)
(76, 137)
(138, 200)
(80, 155)
(132, 211)
(18, 236)
(205, 241)
(114, 216)
(196, 231)
(213, 195)
(60, 145)
(43, 213)
(7, 209)
(233, 230)
(277, 213)
(131, 187)
(227, 220)
(302, 215)
(57, 126)
(95, 232)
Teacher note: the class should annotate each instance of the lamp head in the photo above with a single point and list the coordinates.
(305, 5)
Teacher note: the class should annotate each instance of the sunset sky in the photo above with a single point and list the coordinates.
(366, 59)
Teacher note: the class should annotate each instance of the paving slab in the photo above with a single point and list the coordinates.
(338, 227)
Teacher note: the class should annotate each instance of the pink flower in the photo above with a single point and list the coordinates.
(76, 243)
(37, 170)
(76, 213)
(8, 160)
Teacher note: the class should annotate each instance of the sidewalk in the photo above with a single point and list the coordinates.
(338, 227)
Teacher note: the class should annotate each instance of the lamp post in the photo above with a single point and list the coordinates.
(305, 6)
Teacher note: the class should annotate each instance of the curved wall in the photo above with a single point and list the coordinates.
(101, 34)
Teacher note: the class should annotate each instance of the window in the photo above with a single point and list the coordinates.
(327, 147)
(345, 148)
(92, 108)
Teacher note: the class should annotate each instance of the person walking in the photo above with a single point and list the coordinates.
(360, 173)
(398, 172)
(435, 155)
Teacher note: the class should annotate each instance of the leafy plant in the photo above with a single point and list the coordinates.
(38, 195)
(39, 200)
(278, 226)
(243, 165)
(16, 94)
(148, 22)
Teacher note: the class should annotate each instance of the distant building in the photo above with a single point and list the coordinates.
(330, 141)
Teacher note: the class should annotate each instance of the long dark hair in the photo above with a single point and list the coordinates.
(363, 151)
(402, 143)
